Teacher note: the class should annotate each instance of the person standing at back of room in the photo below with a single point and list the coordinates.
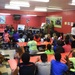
(73, 35)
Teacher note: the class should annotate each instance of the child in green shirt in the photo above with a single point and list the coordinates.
(49, 50)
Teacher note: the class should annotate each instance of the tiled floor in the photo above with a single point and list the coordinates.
(8, 52)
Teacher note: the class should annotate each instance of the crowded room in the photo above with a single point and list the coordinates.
(37, 37)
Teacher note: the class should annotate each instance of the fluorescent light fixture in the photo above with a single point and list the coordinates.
(41, 0)
(12, 7)
(54, 8)
(20, 3)
(40, 9)
(31, 15)
(5, 14)
(71, 3)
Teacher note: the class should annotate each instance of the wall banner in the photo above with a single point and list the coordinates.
(2, 19)
(57, 21)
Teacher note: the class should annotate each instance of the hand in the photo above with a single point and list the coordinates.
(66, 58)
(37, 59)
(71, 51)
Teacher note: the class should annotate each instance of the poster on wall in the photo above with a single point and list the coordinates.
(71, 23)
(65, 23)
(21, 27)
(57, 21)
(2, 19)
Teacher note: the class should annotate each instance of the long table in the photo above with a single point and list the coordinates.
(25, 43)
(39, 44)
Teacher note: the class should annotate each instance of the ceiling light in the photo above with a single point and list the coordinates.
(54, 8)
(31, 15)
(20, 3)
(41, 0)
(40, 9)
(12, 7)
(71, 3)
(5, 14)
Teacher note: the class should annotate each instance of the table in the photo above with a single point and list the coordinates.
(39, 44)
(22, 44)
(25, 43)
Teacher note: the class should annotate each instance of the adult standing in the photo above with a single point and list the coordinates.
(73, 35)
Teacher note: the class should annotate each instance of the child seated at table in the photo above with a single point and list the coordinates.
(21, 39)
(6, 39)
(37, 38)
(26, 67)
(43, 67)
(32, 46)
(49, 50)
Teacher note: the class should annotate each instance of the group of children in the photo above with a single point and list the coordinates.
(62, 42)
(53, 45)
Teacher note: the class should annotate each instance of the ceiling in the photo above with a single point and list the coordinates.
(63, 4)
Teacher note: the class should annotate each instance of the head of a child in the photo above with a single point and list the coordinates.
(19, 51)
(67, 41)
(44, 57)
(59, 43)
(48, 36)
(73, 54)
(49, 47)
(5, 31)
(57, 56)
(48, 39)
(25, 58)
(31, 38)
(21, 35)
(1, 58)
(36, 36)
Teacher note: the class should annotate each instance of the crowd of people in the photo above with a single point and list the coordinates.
(53, 45)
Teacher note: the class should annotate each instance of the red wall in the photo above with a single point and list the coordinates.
(67, 16)
(34, 21)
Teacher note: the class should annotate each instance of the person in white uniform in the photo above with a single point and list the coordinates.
(73, 35)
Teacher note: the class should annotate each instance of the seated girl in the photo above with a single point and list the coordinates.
(21, 39)
(49, 50)
(37, 38)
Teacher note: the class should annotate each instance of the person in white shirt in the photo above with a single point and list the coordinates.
(21, 39)
(44, 66)
(73, 35)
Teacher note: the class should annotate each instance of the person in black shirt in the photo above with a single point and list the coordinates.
(26, 67)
